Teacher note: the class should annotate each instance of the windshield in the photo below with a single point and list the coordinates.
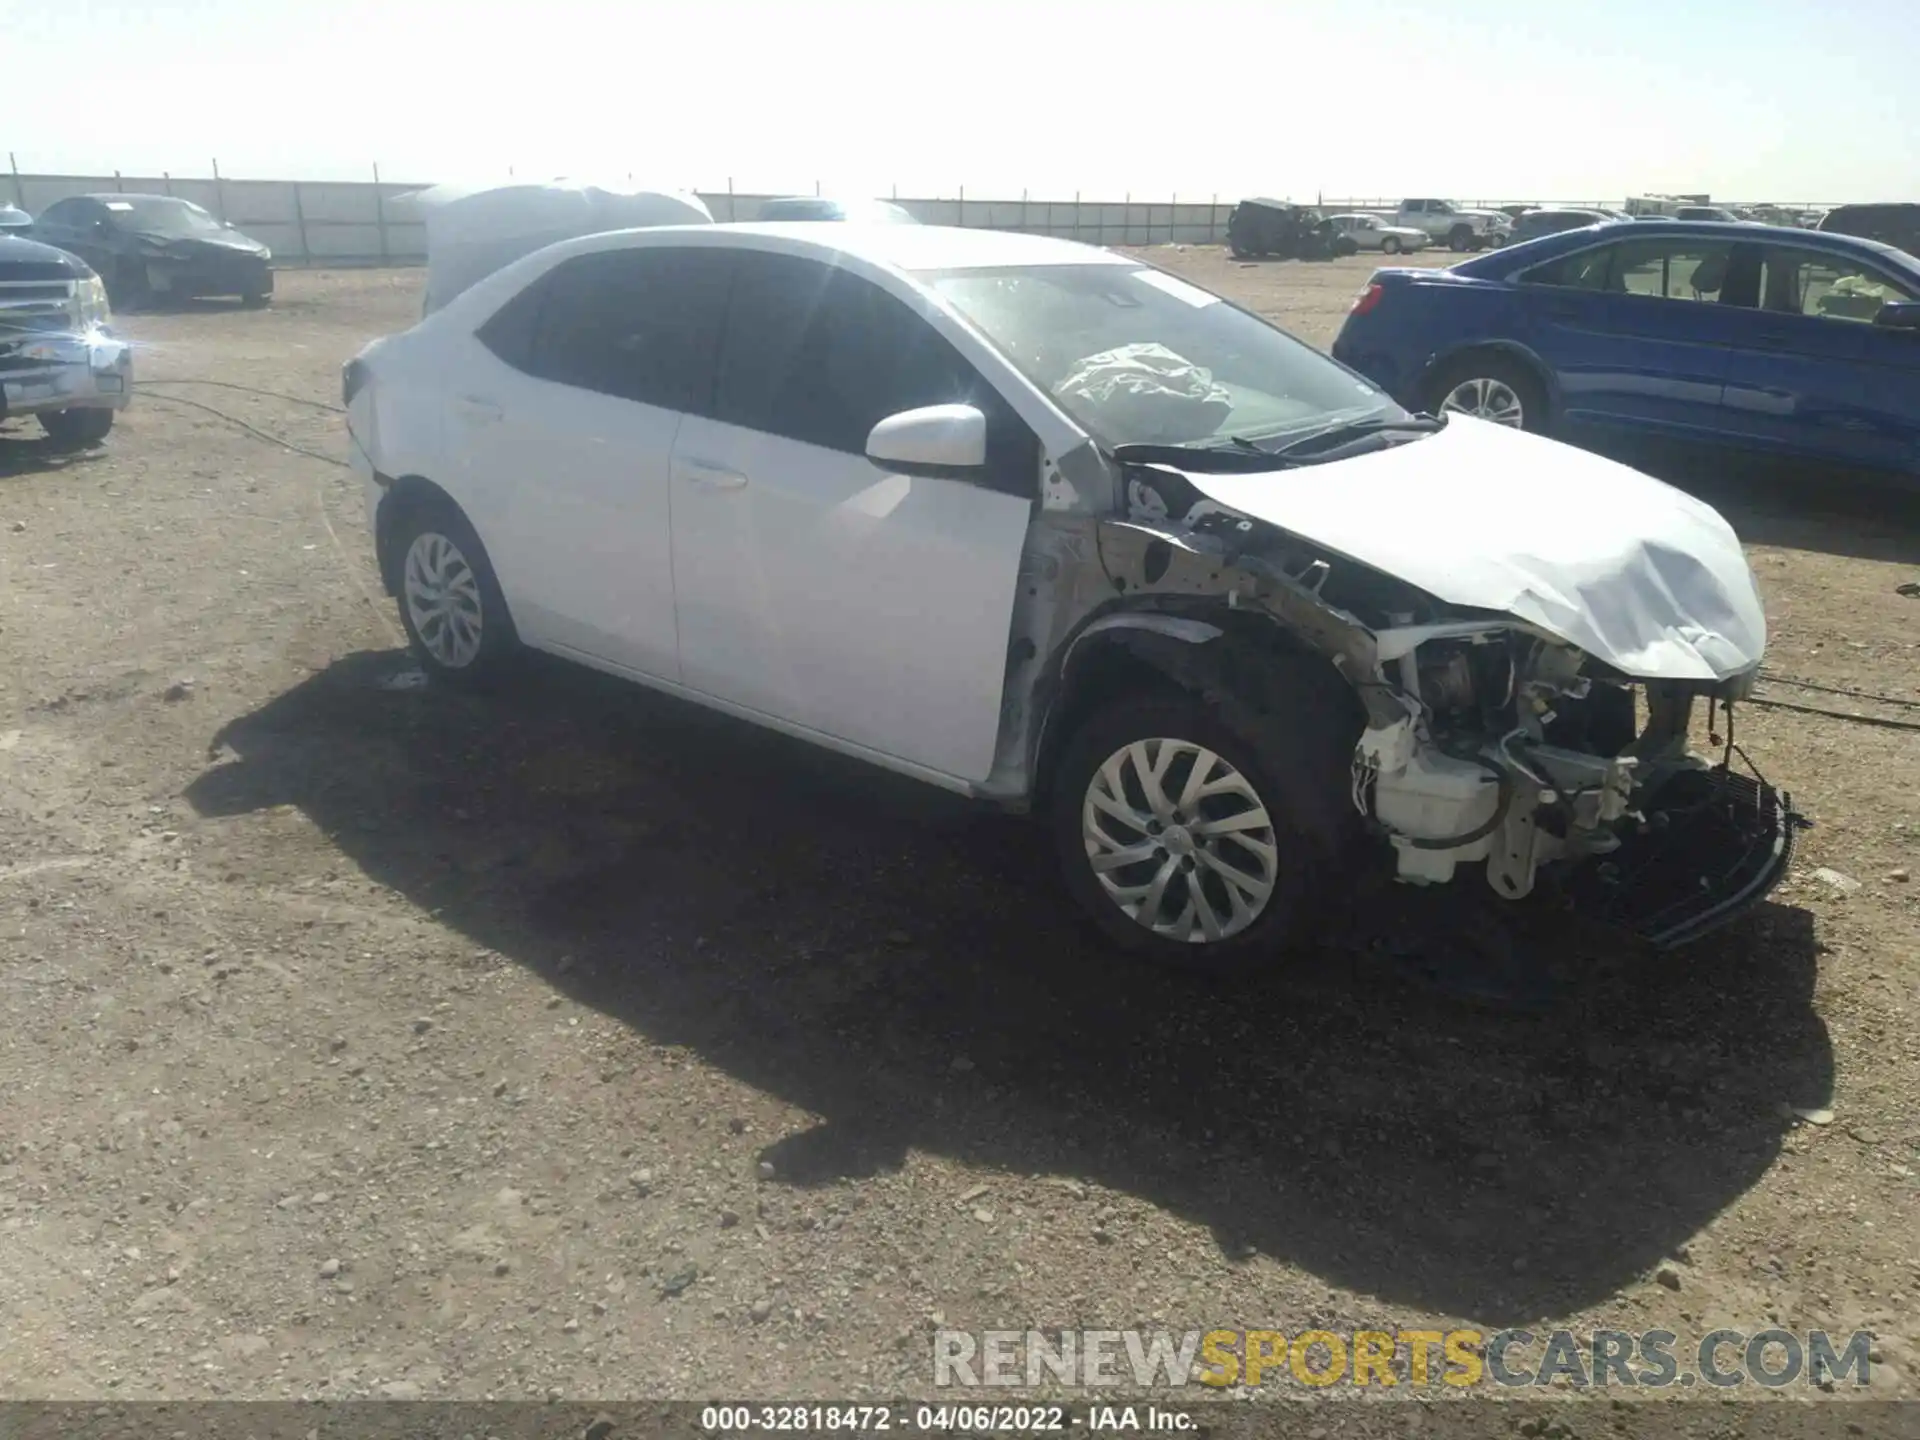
(161, 215)
(1136, 356)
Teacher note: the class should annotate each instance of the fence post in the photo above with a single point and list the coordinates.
(1023, 211)
(19, 193)
(118, 188)
(962, 221)
(300, 219)
(1076, 215)
(219, 193)
(1173, 219)
(380, 213)
(166, 182)
(1213, 218)
(733, 210)
(1126, 218)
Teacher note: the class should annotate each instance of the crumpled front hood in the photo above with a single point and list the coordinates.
(1634, 572)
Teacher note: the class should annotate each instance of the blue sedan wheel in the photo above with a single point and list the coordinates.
(1489, 385)
(1487, 399)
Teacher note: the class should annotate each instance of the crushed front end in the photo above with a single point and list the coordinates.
(1520, 752)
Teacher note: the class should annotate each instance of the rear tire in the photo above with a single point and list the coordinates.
(1493, 387)
(76, 429)
(450, 601)
(257, 300)
(1260, 850)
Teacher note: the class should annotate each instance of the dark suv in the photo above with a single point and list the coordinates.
(1897, 225)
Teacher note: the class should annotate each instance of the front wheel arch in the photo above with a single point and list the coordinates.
(1212, 657)
(1278, 713)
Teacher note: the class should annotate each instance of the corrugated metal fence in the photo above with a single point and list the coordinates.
(311, 222)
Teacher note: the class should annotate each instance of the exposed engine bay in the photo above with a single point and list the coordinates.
(1487, 740)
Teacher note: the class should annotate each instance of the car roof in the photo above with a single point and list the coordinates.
(105, 195)
(1491, 266)
(900, 247)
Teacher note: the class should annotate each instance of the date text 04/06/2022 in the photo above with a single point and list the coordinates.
(948, 1419)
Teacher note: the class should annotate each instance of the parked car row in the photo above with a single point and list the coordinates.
(1230, 694)
(147, 248)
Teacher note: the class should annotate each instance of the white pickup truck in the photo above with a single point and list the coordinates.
(1448, 223)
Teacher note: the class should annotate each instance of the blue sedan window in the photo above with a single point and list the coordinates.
(1809, 282)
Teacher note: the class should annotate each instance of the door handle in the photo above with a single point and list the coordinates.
(478, 408)
(711, 476)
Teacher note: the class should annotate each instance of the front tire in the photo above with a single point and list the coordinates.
(1460, 238)
(1390, 245)
(451, 604)
(76, 429)
(1191, 845)
(126, 283)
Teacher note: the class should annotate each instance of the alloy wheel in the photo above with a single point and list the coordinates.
(443, 600)
(1180, 840)
(1486, 399)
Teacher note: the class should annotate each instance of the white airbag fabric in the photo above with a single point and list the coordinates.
(1631, 570)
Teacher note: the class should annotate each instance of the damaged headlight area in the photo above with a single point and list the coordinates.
(1521, 752)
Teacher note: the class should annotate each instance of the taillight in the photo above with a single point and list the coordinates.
(352, 377)
(1367, 298)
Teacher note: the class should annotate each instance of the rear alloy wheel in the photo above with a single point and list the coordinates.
(76, 429)
(1390, 245)
(1493, 388)
(1184, 842)
(450, 603)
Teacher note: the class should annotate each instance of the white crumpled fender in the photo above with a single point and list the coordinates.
(1631, 570)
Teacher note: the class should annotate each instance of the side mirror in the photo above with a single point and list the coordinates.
(1899, 315)
(939, 441)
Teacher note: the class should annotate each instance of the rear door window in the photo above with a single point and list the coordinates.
(1671, 268)
(641, 324)
(821, 355)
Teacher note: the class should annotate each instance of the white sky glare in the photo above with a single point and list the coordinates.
(1744, 99)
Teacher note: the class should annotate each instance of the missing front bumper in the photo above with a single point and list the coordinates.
(1716, 848)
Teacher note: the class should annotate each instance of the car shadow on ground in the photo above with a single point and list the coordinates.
(1793, 505)
(906, 966)
(28, 452)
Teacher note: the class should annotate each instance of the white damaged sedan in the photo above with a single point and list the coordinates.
(1055, 529)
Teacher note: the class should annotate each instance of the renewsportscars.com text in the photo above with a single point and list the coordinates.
(1647, 1359)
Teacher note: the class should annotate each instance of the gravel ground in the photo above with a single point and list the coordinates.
(364, 1041)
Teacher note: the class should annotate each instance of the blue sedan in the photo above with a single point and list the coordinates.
(1794, 342)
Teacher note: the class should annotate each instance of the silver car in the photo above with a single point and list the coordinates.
(1370, 232)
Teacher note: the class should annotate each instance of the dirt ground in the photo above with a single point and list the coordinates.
(372, 1041)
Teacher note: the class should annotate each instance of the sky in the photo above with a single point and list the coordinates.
(1560, 100)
